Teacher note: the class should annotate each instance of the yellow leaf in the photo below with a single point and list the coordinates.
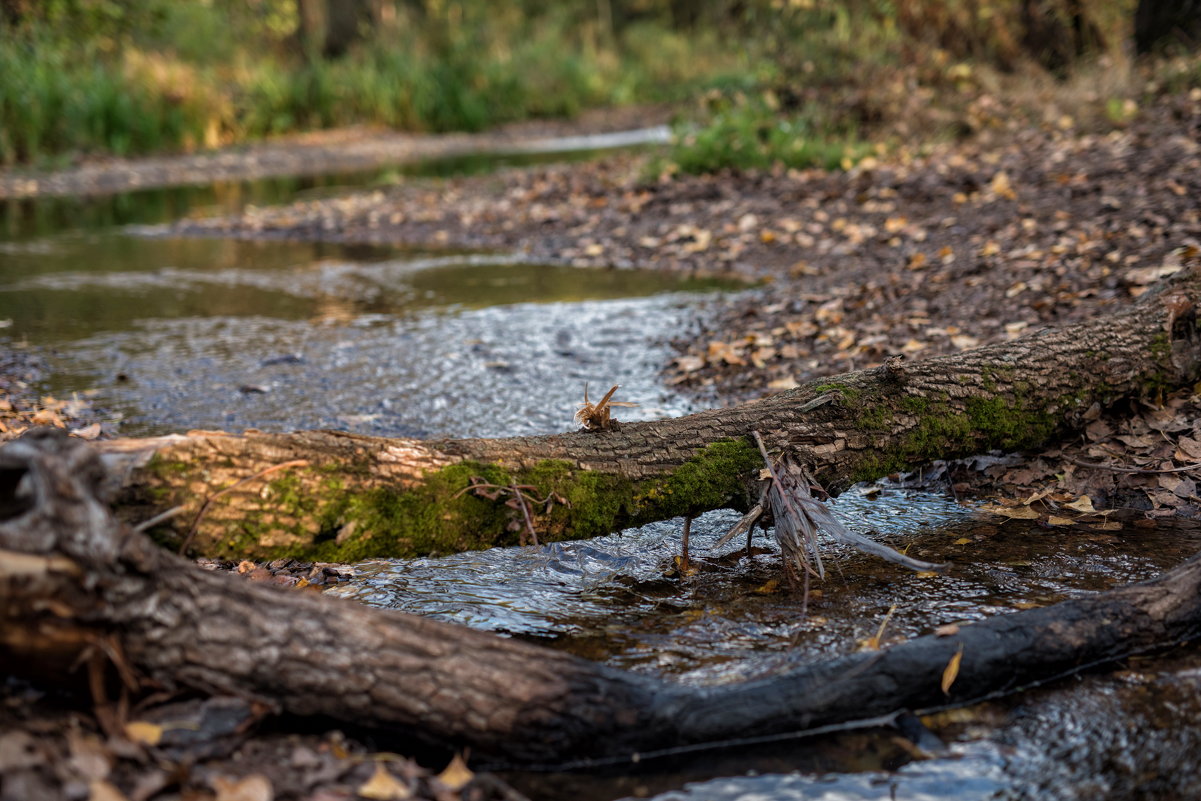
(457, 774)
(101, 790)
(1002, 186)
(951, 671)
(1018, 512)
(87, 432)
(1082, 504)
(255, 787)
(47, 417)
(144, 733)
(383, 786)
(963, 540)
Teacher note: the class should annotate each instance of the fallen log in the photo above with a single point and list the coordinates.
(75, 582)
(340, 497)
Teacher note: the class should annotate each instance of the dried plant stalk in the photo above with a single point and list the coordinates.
(799, 517)
(596, 416)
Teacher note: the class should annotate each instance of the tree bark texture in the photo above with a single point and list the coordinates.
(76, 582)
(339, 497)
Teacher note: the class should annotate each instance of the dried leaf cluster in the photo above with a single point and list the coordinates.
(597, 416)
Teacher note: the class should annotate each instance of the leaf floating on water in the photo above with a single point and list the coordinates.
(951, 672)
(383, 786)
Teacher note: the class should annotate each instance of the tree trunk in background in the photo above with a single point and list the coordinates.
(341, 497)
(78, 588)
(1159, 23)
(329, 27)
(1056, 33)
(345, 23)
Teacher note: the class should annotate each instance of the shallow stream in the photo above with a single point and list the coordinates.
(167, 334)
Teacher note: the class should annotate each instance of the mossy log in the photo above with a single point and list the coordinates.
(77, 588)
(338, 496)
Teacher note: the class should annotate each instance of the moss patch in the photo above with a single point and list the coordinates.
(312, 513)
(944, 430)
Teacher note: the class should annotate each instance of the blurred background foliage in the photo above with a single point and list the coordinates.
(755, 82)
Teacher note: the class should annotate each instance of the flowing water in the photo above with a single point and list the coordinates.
(166, 334)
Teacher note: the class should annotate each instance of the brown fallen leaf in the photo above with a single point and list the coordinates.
(383, 786)
(87, 432)
(457, 774)
(255, 787)
(100, 790)
(47, 417)
(1082, 504)
(144, 732)
(951, 671)
(948, 630)
(1013, 512)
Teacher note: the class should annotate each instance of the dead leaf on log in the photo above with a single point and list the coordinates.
(952, 671)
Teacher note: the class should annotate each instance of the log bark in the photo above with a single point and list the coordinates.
(340, 497)
(75, 581)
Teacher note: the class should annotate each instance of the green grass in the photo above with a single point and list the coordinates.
(161, 91)
(751, 134)
(796, 84)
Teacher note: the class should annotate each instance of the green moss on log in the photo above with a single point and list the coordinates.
(943, 430)
(312, 513)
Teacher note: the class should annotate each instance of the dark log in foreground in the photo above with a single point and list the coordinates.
(74, 580)
(338, 496)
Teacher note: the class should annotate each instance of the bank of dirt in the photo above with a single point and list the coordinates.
(316, 153)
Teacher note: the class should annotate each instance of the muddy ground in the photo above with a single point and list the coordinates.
(317, 153)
